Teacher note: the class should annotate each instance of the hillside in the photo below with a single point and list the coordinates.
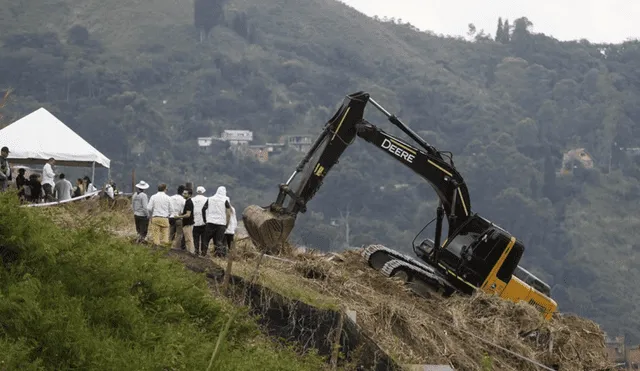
(134, 78)
(472, 334)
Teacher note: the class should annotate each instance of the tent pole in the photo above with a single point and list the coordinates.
(93, 173)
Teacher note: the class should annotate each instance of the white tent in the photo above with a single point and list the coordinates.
(40, 135)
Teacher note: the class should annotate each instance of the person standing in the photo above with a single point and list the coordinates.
(5, 169)
(139, 203)
(79, 189)
(21, 184)
(175, 224)
(159, 209)
(88, 186)
(63, 189)
(35, 188)
(47, 179)
(216, 214)
(108, 190)
(187, 221)
(230, 232)
(199, 236)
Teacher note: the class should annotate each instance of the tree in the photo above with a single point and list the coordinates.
(207, 13)
(499, 31)
(549, 182)
(78, 35)
(521, 29)
(521, 38)
(506, 32)
(471, 30)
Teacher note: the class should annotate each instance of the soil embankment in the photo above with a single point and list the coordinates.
(300, 296)
(466, 333)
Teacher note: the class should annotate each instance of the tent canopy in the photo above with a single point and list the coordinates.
(40, 135)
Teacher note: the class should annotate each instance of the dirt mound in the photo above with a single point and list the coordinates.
(469, 333)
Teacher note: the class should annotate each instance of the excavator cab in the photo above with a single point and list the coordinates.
(476, 253)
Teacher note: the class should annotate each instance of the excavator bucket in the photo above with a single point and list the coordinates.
(268, 230)
(270, 227)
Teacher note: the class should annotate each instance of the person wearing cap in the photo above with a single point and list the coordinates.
(5, 169)
(199, 226)
(139, 203)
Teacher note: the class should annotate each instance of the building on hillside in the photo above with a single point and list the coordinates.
(275, 148)
(631, 151)
(237, 137)
(300, 143)
(205, 141)
(260, 152)
(572, 159)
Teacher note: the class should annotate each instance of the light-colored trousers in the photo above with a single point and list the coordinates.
(187, 231)
(159, 230)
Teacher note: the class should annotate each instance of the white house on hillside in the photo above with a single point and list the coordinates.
(237, 137)
(205, 141)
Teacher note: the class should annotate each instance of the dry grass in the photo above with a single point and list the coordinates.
(417, 330)
(116, 219)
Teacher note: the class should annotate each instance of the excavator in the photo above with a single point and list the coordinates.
(476, 254)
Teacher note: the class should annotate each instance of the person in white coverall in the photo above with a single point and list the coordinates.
(216, 213)
(229, 234)
(199, 236)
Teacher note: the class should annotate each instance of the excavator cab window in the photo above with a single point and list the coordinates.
(532, 280)
(467, 250)
(486, 253)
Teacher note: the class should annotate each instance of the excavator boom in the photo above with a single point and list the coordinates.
(477, 253)
(270, 226)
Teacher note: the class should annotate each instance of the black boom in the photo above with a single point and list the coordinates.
(340, 132)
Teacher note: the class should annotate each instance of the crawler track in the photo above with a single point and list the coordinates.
(418, 276)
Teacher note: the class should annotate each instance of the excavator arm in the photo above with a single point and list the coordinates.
(338, 133)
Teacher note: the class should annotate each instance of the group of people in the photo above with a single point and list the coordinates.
(184, 221)
(48, 186)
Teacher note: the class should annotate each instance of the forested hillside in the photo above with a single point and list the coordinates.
(142, 82)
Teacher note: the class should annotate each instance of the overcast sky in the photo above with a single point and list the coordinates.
(594, 20)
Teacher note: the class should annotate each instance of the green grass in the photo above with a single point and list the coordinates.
(80, 299)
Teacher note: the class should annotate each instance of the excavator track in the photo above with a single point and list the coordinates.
(419, 277)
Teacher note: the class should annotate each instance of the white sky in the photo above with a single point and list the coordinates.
(594, 20)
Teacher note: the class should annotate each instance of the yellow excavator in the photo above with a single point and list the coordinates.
(476, 253)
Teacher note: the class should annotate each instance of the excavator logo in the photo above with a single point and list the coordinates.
(319, 170)
(396, 148)
(537, 305)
